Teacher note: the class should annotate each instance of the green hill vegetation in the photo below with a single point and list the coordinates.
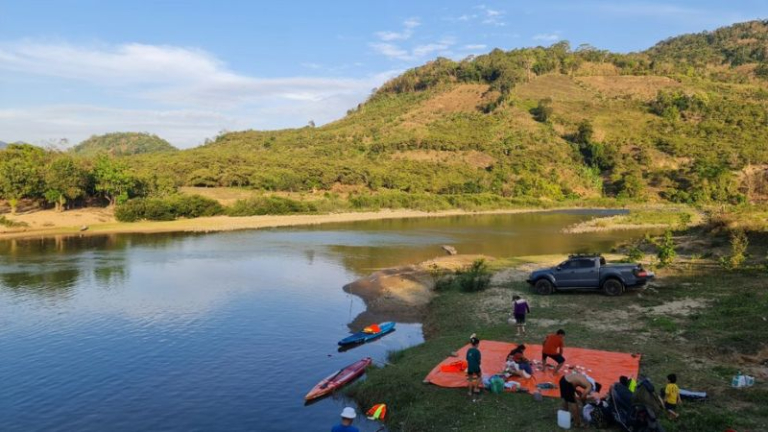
(685, 121)
(123, 144)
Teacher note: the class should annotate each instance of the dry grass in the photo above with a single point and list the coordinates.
(557, 87)
(461, 98)
(471, 158)
(636, 87)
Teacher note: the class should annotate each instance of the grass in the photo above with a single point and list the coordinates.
(703, 346)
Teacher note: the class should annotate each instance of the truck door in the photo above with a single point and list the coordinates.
(587, 273)
(565, 274)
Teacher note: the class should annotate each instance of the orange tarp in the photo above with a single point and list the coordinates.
(604, 366)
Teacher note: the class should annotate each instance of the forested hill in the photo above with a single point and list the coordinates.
(684, 121)
(123, 144)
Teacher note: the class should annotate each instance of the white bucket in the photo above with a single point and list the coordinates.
(564, 419)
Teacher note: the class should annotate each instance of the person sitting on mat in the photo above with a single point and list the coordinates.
(575, 389)
(517, 364)
(553, 348)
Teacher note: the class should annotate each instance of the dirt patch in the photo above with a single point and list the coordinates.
(636, 87)
(472, 158)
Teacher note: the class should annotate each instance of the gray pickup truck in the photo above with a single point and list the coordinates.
(580, 272)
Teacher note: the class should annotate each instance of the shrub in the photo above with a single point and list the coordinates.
(634, 253)
(165, 209)
(738, 255)
(269, 205)
(476, 278)
(666, 253)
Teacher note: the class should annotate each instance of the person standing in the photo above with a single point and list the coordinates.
(520, 309)
(672, 396)
(553, 348)
(473, 366)
(348, 415)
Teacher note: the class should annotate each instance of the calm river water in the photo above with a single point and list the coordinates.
(215, 332)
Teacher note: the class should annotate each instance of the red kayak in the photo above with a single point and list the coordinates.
(339, 379)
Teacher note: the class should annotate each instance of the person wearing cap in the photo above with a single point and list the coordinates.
(348, 415)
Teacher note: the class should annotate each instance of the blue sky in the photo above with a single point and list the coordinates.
(187, 70)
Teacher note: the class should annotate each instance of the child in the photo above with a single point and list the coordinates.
(520, 309)
(672, 396)
(473, 366)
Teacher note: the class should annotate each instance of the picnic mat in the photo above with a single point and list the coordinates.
(604, 366)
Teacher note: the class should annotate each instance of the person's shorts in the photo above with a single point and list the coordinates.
(473, 376)
(670, 406)
(567, 391)
(556, 357)
(520, 318)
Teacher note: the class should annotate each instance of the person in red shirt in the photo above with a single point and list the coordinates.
(553, 348)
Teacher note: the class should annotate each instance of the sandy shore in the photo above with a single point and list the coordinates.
(48, 223)
(402, 293)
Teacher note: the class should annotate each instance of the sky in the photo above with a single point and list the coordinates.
(188, 70)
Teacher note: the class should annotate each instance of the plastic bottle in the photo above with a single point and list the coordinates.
(564, 419)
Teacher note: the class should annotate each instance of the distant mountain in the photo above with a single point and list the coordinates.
(123, 144)
(3, 144)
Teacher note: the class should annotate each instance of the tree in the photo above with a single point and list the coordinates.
(21, 173)
(65, 180)
(113, 180)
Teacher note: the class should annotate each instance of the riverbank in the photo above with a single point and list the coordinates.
(671, 323)
(99, 221)
(48, 223)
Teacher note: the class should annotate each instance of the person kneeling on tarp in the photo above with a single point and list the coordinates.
(553, 347)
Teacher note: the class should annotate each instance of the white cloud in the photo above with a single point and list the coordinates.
(417, 52)
(547, 37)
(491, 16)
(411, 23)
(475, 47)
(406, 33)
(184, 94)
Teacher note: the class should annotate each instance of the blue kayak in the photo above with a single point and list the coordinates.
(361, 337)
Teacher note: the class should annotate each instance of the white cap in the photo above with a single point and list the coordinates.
(348, 413)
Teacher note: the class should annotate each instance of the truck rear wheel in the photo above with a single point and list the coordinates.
(544, 287)
(613, 287)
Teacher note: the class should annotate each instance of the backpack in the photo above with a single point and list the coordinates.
(497, 384)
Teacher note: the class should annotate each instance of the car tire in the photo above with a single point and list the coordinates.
(613, 287)
(544, 287)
